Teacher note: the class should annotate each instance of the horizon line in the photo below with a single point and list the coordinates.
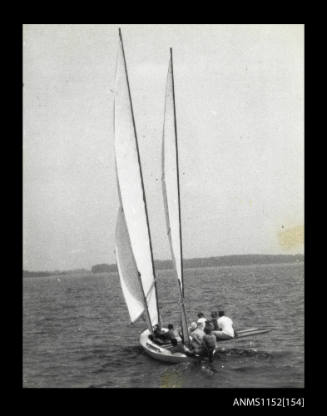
(162, 260)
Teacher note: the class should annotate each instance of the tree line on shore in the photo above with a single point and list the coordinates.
(233, 260)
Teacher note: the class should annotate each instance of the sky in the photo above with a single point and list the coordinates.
(240, 119)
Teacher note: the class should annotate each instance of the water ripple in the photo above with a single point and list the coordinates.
(76, 332)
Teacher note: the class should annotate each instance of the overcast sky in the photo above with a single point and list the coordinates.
(239, 99)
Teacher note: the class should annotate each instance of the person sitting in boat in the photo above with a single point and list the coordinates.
(225, 325)
(197, 337)
(192, 327)
(201, 319)
(159, 336)
(209, 343)
(214, 319)
(209, 325)
(172, 333)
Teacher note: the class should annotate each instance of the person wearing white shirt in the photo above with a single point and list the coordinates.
(225, 325)
(201, 320)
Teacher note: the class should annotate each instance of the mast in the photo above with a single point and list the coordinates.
(180, 283)
(178, 187)
(171, 189)
(142, 182)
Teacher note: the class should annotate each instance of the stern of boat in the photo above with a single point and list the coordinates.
(159, 352)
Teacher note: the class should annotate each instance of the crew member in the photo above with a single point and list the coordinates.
(225, 325)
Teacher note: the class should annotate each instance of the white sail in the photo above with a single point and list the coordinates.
(127, 269)
(170, 177)
(170, 187)
(130, 184)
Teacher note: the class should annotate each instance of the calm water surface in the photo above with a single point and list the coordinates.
(76, 331)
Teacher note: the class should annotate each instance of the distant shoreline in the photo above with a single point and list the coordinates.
(232, 260)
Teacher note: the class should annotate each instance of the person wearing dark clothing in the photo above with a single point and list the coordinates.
(214, 318)
(209, 343)
(209, 325)
(159, 336)
(158, 332)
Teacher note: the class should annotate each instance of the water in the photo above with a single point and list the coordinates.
(76, 331)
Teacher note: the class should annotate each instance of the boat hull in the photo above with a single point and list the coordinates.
(163, 354)
(158, 352)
